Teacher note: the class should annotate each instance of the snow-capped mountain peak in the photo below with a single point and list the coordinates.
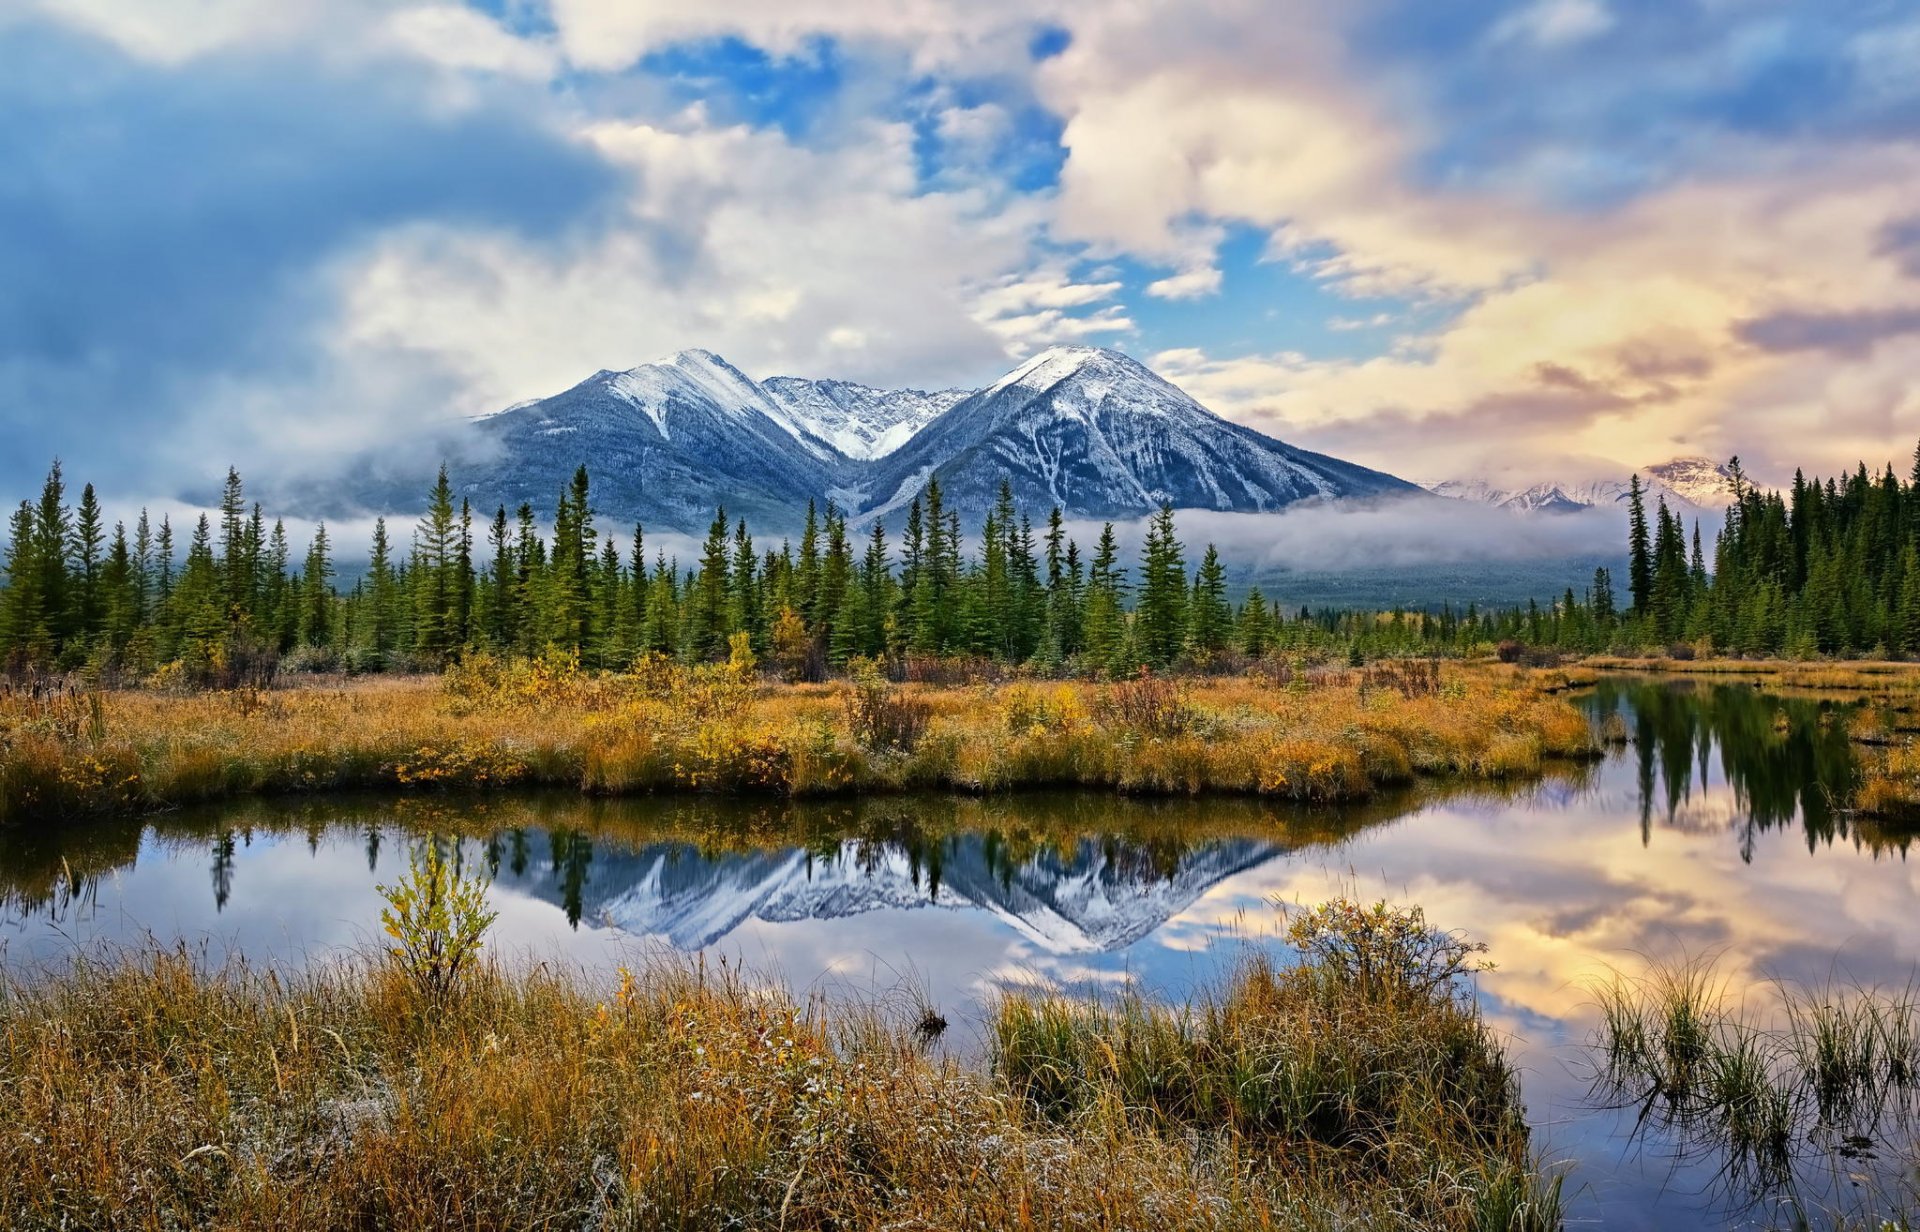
(858, 420)
(1698, 481)
(1695, 485)
(1091, 430)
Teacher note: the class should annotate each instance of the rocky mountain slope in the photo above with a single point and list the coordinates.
(1089, 429)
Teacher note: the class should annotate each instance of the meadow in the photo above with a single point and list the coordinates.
(1310, 735)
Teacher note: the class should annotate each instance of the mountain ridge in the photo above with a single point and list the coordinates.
(1690, 484)
(1087, 428)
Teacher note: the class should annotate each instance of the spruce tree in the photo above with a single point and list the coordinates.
(316, 591)
(1210, 626)
(1639, 551)
(1160, 620)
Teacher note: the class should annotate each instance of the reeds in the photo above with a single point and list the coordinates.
(1346, 1088)
(1827, 1071)
(662, 728)
(148, 1090)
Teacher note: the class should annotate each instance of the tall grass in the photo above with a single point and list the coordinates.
(1813, 1076)
(1384, 1099)
(150, 1091)
(666, 729)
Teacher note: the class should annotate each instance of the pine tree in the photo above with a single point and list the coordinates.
(52, 528)
(1909, 615)
(25, 633)
(707, 618)
(435, 549)
(1104, 632)
(1210, 625)
(1256, 625)
(1160, 620)
(316, 591)
(1639, 555)
(88, 540)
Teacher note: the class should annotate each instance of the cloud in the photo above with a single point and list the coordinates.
(1842, 333)
(1603, 233)
(1555, 23)
(1418, 530)
(781, 257)
(169, 236)
(1188, 284)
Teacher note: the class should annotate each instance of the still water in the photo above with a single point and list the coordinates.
(1712, 832)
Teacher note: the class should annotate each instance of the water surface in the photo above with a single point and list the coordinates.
(1712, 831)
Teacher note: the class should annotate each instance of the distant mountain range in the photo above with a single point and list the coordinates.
(1688, 485)
(1091, 430)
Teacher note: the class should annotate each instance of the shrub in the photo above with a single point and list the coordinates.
(1028, 709)
(437, 919)
(1386, 950)
(880, 716)
(1149, 705)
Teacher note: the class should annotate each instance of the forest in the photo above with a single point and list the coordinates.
(1828, 568)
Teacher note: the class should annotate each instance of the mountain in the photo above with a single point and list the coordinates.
(665, 443)
(1691, 485)
(1101, 435)
(858, 420)
(1093, 896)
(1091, 430)
(1701, 482)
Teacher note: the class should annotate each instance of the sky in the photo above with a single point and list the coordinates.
(1513, 240)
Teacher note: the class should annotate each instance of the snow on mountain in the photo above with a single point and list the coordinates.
(1101, 435)
(665, 443)
(1701, 482)
(858, 420)
(1090, 898)
(1091, 430)
(1693, 485)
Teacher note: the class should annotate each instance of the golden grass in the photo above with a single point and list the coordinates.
(150, 1092)
(1841, 675)
(662, 729)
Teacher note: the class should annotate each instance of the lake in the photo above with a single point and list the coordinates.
(1711, 832)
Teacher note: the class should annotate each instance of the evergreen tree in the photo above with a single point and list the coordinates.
(316, 591)
(1639, 552)
(1160, 620)
(88, 541)
(1210, 626)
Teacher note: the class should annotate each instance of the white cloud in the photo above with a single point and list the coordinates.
(174, 32)
(779, 257)
(458, 37)
(610, 35)
(1187, 284)
(1556, 23)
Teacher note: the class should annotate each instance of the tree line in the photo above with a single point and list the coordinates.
(80, 594)
(1830, 567)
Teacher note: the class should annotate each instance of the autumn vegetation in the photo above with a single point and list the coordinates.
(148, 1090)
(1312, 734)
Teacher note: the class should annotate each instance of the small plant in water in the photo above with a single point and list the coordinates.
(438, 919)
(1385, 949)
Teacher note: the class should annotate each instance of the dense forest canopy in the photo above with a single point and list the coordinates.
(1827, 568)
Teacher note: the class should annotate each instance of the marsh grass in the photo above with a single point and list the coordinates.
(151, 1090)
(721, 729)
(1361, 1091)
(1808, 1077)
